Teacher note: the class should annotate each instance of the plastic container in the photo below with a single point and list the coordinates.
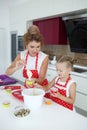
(6, 104)
(21, 111)
(33, 98)
(29, 83)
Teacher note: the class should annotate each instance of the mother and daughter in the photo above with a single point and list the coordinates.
(62, 89)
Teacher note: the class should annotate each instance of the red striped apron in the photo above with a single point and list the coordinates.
(34, 71)
(63, 92)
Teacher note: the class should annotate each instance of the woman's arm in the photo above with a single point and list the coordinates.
(16, 64)
(43, 70)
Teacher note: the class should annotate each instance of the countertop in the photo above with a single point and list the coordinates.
(75, 65)
(46, 117)
(18, 74)
(83, 74)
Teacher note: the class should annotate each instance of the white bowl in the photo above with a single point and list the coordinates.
(33, 97)
(21, 111)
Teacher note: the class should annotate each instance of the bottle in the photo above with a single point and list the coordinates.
(54, 58)
(53, 62)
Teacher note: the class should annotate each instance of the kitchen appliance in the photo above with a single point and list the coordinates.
(77, 34)
(20, 43)
(14, 44)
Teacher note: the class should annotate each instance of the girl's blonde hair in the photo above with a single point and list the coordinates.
(70, 61)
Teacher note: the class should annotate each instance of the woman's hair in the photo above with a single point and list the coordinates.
(70, 61)
(33, 29)
(33, 34)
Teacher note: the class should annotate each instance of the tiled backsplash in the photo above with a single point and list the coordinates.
(59, 50)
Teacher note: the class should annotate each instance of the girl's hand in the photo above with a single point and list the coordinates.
(38, 85)
(55, 94)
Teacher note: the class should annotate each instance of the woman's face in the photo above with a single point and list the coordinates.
(34, 47)
(62, 70)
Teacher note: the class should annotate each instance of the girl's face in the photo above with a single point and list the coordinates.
(34, 47)
(62, 70)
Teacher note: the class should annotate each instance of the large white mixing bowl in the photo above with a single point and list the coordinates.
(33, 97)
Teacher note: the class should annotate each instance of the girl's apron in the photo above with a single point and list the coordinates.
(61, 91)
(34, 71)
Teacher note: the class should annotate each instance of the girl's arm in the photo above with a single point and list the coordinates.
(16, 64)
(51, 83)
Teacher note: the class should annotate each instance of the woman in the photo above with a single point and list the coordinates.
(32, 58)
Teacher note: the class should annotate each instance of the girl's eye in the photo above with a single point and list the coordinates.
(34, 47)
(38, 46)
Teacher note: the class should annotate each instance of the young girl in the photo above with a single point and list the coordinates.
(62, 89)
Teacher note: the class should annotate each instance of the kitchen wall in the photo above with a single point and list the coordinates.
(60, 50)
(32, 9)
(57, 50)
(4, 37)
(21, 17)
(15, 18)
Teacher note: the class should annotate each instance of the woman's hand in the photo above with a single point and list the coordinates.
(19, 64)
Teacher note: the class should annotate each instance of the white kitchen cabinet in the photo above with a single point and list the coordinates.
(81, 83)
(81, 101)
(81, 94)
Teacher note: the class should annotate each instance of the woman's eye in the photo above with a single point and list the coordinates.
(31, 47)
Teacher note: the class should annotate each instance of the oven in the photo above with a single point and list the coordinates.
(20, 43)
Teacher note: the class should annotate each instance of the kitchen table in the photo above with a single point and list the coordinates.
(47, 117)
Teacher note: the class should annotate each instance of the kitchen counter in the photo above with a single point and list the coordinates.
(18, 74)
(50, 117)
(75, 66)
(83, 74)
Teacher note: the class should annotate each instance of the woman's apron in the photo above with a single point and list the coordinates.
(34, 71)
(61, 91)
